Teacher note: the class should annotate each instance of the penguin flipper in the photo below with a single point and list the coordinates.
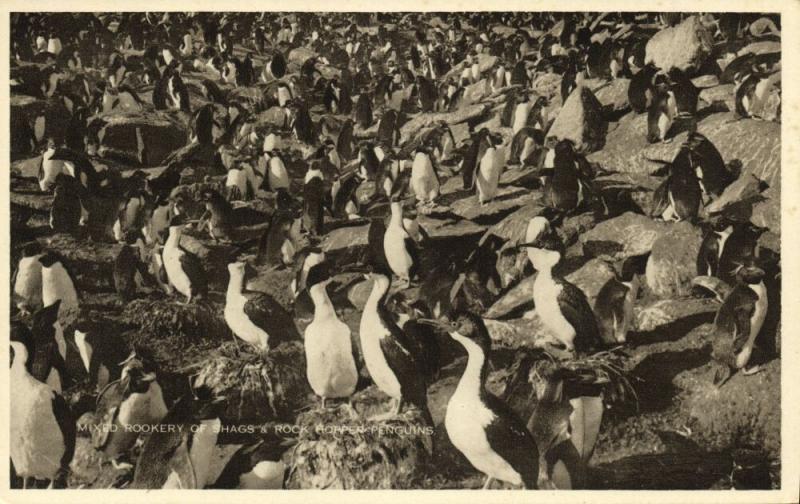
(181, 464)
(742, 313)
(66, 423)
(575, 308)
(193, 268)
(660, 199)
(509, 437)
(407, 364)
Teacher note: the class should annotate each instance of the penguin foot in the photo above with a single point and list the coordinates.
(666, 140)
(121, 466)
(753, 370)
(488, 484)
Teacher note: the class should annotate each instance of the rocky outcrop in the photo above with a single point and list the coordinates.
(581, 120)
(672, 263)
(145, 139)
(685, 46)
(625, 236)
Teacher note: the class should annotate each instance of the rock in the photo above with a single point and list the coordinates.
(581, 120)
(685, 46)
(591, 277)
(508, 199)
(621, 237)
(663, 312)
(722, 94)
(346, 243)
(420, 121)
(744, 189)
(706, 81)
(672, 263)
(91, 263)
(627, 150)
(214, 257)
(273, 115)
(548, 85)
(24, 111)
(767, 213)
(516, 333)
(739, 414)
(613, 94)
(144, 138)
(485, 63)
(760, 47)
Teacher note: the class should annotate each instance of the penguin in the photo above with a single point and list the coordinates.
(569, 186)
(42, 428)
(241, 181)
(253, 316)
(393, 362)
(424, 176)
(344, 142)
(473, 150)
(565, 424)
(527, 147)
(302, 125)
(389, 128)
(712, 173)
(177, 92)
(181, 457)
(752, 91)
(49, 168)
(368, 160)
(330, 362)
(613, 306)
(738, 323)
(183, 269)
(479, 424)
(661, 114)
(344, 203)
(399, 248)
(49, 349)
(277, 175)
(727, 244)
(228, 223)
(562, 307)
(126, 405)
(58, 285)
(127, 264)
(255, 466)
(101, 354)
(278, 244)
(363, 111)
(679, 196)
(28, 279)
(488, 175)
(277, 65)
(131, 213)
(66, 211)
(314, 199)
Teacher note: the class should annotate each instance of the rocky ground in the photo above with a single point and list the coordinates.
(677, 431)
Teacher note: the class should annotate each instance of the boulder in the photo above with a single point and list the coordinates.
(346, 243)
(628, 235)
(485, 63)
(91, 263)
(420, 121)
(761, 47)
(508, 199)
(627, 149)
(547, 85)
(742, 191)
(581, 120)
(661, 313)
(613, 94)
(25, 111)
(517, 333)
(145, 138)
(672, 262)
(740, 414)
(722, 94)
(685, 46)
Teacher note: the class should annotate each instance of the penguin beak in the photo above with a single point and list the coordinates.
(148, 377)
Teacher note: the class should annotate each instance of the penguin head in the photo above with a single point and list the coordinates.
(31, 249)
(750, 274)
(319, 274)
(50, 259)
(44, 319)
(205, 405)
(465, 327)
(177, 222)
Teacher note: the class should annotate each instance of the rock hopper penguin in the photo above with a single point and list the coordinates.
(614, 304)
(253, 316)
(181, 457)
(393, 361)
(184, 270)
(571, 183)
(330, 362)
(562, 306)
(727, 244)
(481, 426)
(314, 199)
(738, 323)
(424, 177)
(679, 196)
(57, 284)
(399, 248)
(127, 264)
(48, 348)
(491, 167)
(135, 399)
(256, 466)
(42, 430)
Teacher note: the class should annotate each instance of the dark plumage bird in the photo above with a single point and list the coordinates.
(480, 425)
(228, 223)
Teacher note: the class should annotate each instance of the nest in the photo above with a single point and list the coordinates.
(175, 332)
(258, 387)
(362, 454)
(607, 369)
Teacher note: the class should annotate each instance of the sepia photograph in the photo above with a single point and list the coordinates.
(401, 250)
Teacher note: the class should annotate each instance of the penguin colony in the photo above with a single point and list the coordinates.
(288, 150)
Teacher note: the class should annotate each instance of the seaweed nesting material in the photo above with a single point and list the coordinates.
(175, 332)
(338, 448)
(258, 387)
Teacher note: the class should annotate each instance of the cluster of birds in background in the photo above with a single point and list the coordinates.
(314, 168)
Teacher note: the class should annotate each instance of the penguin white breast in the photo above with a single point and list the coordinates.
(175, 274)
(237, 178)
(143, 408)
(371, 332)
(395, 248)
(465, 421)
(545, 297)
(756, 321)
(278, 176)
(266, 475)
(240, 323)
(521, 116)
(312, 174)
(57, 284)
(28, 284)
(202, 451)
(488, 175)
(423, 179)
(330, 368)
(39, 128)
(283, 96)
(36, 441)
